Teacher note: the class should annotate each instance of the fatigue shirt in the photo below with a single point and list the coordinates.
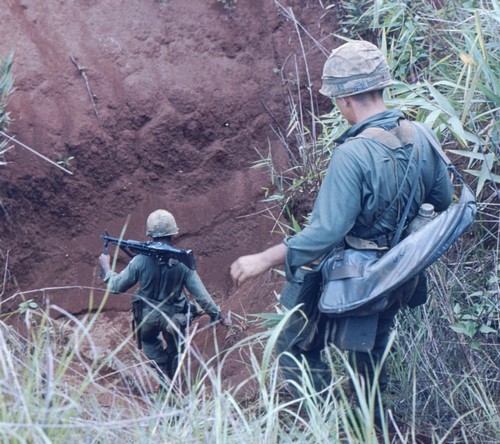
(362, 179)
(171, 298)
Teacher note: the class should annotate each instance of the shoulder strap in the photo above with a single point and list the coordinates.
(398, 137)
(404, 216)
(157, 278)
(439, 150)
(385, 137)
(432, 140)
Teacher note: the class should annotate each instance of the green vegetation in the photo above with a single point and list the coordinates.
(56, 387)
(6, 83)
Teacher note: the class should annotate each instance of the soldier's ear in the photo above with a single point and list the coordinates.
(346, 101)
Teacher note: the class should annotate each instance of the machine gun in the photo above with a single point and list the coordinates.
(159, 250)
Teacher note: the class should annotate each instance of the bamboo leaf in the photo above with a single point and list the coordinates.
(430, 120)
(494, 177)
(489, 94)
(468, 154)
(484, 174)
(441, 100)
(486, 329)
(457, 128)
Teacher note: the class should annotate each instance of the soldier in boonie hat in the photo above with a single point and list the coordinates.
(354, 68)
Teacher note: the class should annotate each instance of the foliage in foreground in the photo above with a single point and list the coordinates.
(57, 385)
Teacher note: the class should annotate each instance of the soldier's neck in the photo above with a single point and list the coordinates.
(361, 113)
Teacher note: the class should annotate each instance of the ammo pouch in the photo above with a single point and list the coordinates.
(178, 322)
(351, 333)
(354, 333)
(357, 332)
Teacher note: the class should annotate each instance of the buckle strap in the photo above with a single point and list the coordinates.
(380, 242)
(345, 271)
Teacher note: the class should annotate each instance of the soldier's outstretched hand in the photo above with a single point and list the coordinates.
(246, 267)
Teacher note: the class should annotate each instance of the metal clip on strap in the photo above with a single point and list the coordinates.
(345, 271)
(380, 243)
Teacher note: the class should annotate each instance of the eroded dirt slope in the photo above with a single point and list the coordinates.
(158, 104)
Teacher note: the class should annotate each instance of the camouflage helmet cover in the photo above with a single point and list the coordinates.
(353, 68)
(161, 223)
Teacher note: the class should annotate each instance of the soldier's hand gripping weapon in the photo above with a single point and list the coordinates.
(102, 273)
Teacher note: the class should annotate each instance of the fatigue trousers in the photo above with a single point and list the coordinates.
(154, 328)
(289, 348)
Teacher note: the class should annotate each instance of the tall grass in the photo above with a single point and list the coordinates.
(56, 385)
(6, 85)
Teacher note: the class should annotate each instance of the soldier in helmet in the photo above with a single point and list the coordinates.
(164, 307)
(365, 189)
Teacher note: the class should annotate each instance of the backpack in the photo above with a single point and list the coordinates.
(363, 282)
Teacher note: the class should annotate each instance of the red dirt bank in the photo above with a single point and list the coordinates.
(183, 94)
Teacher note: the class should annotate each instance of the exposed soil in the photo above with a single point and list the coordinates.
(153, 104)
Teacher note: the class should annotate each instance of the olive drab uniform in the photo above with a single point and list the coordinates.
(164, 301)
(363, 178)
(347, 203)
(162, 285)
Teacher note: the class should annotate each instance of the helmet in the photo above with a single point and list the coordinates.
(161, 223)
(353, 68)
